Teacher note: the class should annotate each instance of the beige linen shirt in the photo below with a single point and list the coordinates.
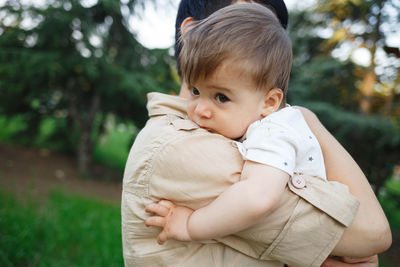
(172, 158)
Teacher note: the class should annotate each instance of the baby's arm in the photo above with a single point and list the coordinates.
(241, 204)
(234, 210)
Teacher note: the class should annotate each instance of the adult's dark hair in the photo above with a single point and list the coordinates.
(200, 9)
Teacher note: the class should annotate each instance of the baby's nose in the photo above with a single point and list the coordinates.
(203, 109)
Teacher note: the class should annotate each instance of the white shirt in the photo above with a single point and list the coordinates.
(283, 140)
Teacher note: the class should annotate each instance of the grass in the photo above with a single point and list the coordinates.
(67, 230)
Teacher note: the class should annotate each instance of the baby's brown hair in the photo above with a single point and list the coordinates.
(248, 35)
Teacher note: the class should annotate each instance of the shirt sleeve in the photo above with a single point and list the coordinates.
(272, 143)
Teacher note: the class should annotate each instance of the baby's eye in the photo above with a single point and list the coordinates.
(221, 98)
(194, 91)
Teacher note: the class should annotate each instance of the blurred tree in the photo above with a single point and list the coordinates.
(329, 87)
(77, 60)
(316, 75)
(367, 26)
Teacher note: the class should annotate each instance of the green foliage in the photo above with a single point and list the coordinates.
(328, 87)
(113, 147)
(65, 231)
(10, 126)
(316, 75)
(324, 79)
(390, 200)
(370, 25)
(72, 63)
(374, 141)
(50, 134)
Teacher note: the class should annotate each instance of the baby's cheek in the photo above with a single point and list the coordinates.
(237, 131)
(190, 112)
(242, 131)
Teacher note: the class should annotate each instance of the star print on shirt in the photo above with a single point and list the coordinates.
(310, 159)
(285, 163)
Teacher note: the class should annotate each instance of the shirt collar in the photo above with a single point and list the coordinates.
(162, 104)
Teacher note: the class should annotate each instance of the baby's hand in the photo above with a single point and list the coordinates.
(172, 218)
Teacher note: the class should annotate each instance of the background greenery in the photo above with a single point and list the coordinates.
(73, 79)
(67, 230)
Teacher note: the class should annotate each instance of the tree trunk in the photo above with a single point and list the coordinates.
(86, 144)
(367, 90)
(387, 107)
(369, 81)
(85, 125)
(84, 153)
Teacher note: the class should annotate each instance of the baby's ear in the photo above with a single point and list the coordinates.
(272, 101)
(185, 24)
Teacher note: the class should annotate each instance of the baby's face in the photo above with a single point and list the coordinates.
(225, 103)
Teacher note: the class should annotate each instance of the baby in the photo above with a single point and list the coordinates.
(237, 64)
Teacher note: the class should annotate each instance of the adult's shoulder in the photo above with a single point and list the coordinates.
(196, 165)
(199, 152)
(201, 146)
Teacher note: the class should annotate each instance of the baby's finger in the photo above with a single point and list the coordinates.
(166, 203)
(157, 209)
(155, 221)
(162, 237)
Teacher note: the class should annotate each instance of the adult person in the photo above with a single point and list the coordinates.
(238, 90)
(169, 160)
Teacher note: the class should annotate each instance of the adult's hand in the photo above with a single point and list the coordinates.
(351, 262)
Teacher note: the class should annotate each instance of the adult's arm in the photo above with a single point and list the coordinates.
(369, 233)
(351, 262)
